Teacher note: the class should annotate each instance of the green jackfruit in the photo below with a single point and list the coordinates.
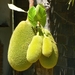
(18, 45)
(51, 61)
(47, 46)
(34, 49)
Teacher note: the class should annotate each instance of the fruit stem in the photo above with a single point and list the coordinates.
(37, 33)
(43, 31)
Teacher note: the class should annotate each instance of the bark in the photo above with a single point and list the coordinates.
(31, 3)
(39, 70)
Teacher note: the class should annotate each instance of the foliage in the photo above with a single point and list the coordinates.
(71, 2)
(37, 14)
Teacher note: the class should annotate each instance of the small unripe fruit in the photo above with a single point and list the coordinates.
(34, 49)
(47, 46)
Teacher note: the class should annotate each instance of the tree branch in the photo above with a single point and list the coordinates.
(31, 3)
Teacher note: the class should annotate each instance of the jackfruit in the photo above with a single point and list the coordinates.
(47, 46)
(34, 49)
(20, 39)
(51, 61)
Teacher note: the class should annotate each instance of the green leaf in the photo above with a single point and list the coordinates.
(41, 14)
(31, 15)
(73, 2)
(37, 14)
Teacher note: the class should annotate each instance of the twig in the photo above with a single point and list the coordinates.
(31, 3)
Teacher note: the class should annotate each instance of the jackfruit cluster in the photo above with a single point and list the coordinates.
(44, 49)
(26, 47)
(30, 42)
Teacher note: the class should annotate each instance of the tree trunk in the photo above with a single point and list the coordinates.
(39, 70)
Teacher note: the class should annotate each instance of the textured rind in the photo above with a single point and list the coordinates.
(50, 62)
(18, 45)
(47, 46)
(34, 49)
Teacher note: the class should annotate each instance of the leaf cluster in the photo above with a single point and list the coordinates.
(37, 14)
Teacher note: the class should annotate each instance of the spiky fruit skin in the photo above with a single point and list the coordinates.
(51, 61)
(47, 46)
(34, 49)
(18, 45)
